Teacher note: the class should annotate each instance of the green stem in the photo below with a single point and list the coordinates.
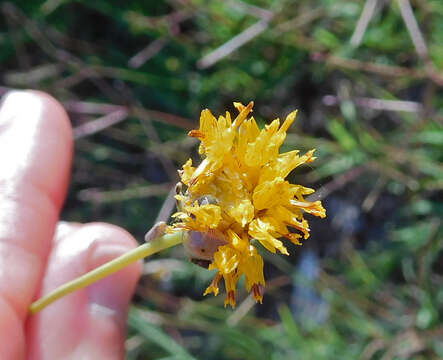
(109, 268)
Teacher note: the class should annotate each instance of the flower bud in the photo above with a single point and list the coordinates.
(201, 246)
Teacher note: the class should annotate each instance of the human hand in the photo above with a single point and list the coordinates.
(38, 255)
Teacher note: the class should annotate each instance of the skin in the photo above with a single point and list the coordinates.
(38, 253)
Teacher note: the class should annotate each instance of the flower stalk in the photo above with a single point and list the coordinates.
(111, 267)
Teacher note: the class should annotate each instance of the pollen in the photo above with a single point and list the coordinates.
(244, 171)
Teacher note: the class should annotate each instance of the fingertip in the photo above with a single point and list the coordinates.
(56, 113)
(19, 102)
(36, 143)
(110, 232)
(109, 298)
(65, 228)
(91, 320)
(113, 292)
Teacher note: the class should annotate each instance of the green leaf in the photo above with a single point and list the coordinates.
(339, 132)
(156, 335)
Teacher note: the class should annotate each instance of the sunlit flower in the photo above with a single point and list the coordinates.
(238, 195)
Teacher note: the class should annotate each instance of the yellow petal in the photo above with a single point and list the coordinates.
(260, 230)
(244, 112)
(213, 287)
(269, 193)
(252, 266)
(315, 208)
(202, 217)
(287, 216)
(263, 148)
(226, 260)
(187, 172)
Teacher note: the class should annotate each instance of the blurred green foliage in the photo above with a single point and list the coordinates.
(134, 77)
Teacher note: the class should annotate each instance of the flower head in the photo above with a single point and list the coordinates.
(238, 193)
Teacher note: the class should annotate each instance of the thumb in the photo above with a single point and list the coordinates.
(89, 323)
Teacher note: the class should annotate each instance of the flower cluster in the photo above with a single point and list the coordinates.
(238, 194)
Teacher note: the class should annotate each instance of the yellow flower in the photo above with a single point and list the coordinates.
(238, 194)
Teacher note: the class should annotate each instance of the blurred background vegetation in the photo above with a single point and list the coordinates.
(367, 79)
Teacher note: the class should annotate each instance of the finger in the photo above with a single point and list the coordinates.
(88, 323)
(35, 158)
